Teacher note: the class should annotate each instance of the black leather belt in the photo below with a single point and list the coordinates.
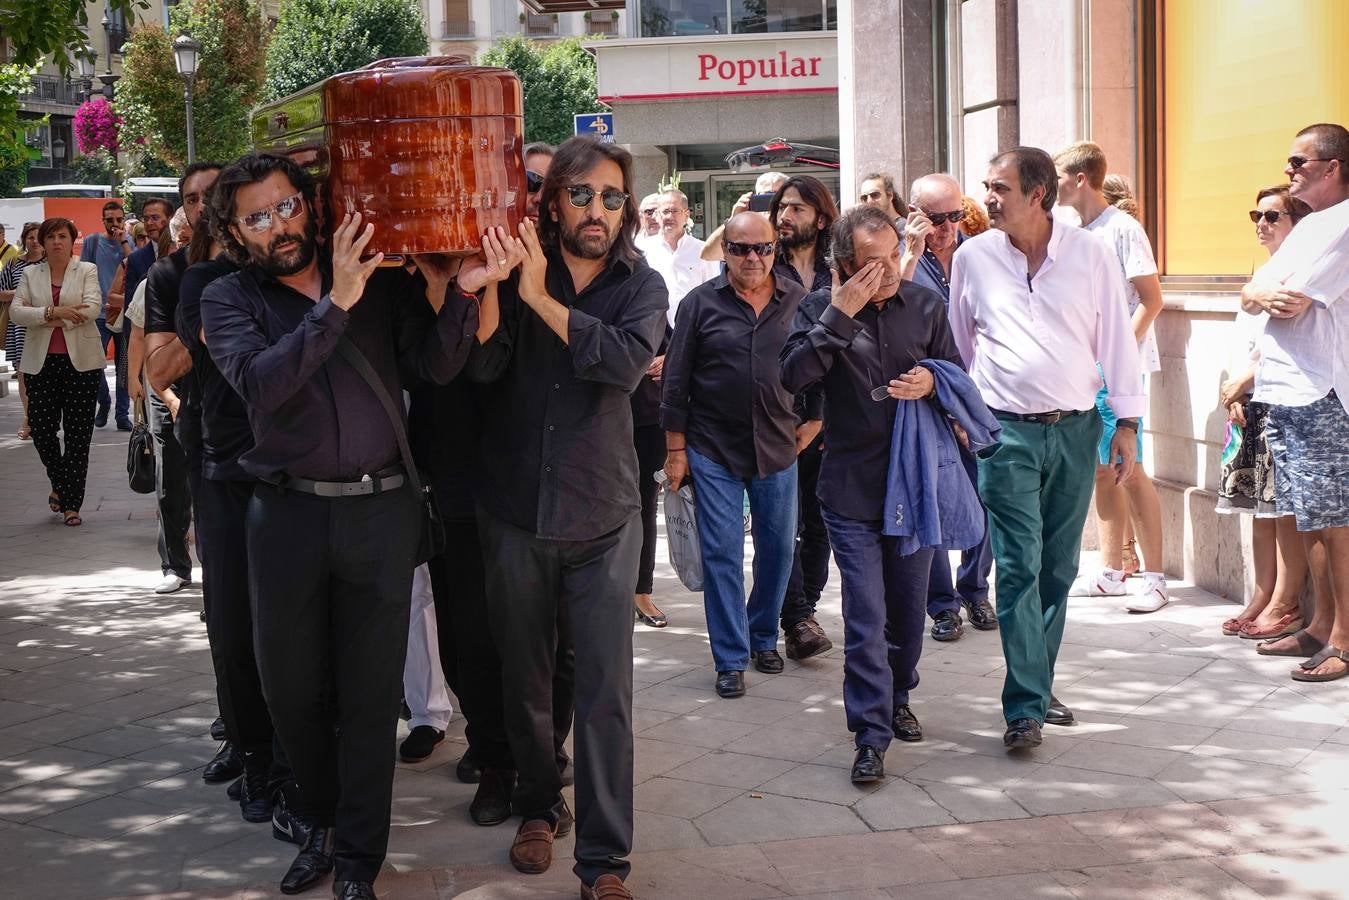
(1044, 418)
(381, 481)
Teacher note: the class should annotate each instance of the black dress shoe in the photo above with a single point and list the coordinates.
(1058, 714)
(226, 765)
(566, 821)
(236, 789)
(101, 416)
(419, 743)
(905, 725)
(217, 727)
(123, 424)
(946, 626)
(657, 621)
(981, 615)
(730, 684)
(767, 661)
(286, 825)
(255, 796)
(353, 890)
(492, 803)
(868, 766)
(314, 861)
(806, 639)
(1022, 734)
(467, 770)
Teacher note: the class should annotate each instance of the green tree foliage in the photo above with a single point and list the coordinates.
(317, 38)
(228, 83)
(98, 167)
(37, 29)
(15, 154)
(558, 80)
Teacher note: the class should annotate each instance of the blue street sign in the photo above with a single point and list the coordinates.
(597, 125)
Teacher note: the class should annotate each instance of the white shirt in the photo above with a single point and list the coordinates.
(682, 268)
(1303, 358)
(1032, 347)
(1129, 242)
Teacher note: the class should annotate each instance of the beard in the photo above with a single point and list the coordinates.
(298, 252)
(797, 235)
(588, 247)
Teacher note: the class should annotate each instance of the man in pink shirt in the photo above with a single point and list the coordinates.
(1034, 305)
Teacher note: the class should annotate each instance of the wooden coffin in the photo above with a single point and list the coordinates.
(426, 148)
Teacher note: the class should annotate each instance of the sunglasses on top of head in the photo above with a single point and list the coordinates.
(1271, 216)
(580, 195)
(740, 248)
(533, 181)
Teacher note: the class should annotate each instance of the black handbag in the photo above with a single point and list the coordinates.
(140, 454)
(432, 540)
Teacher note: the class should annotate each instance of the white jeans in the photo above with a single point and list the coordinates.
(423, 681)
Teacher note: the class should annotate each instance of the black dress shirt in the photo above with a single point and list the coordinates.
(312, 414)
(557, 457)
(721, 382)
(850, 357)
(783, 268)
(162, 285)
(225, 435)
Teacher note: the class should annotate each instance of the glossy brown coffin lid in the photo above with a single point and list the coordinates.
(426, 148)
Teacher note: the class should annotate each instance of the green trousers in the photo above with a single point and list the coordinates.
(1037, 485)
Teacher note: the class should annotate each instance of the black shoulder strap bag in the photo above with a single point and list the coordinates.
(432, 540)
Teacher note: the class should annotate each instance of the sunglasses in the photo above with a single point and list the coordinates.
(738, 248)
(938, 218)
(1300, 162)
(1270, 215)
(580, 196)
(261, 220)
(533, 181)
(874, 195)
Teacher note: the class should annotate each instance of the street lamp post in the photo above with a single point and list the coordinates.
(185, 53)
(86, 69)
(108, 78)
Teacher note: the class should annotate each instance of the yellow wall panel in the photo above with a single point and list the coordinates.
(1240, 78)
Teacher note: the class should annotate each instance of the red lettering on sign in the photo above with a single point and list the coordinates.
(742, 71)
(706, 61)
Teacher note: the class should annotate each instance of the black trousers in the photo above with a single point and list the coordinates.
(61, 399)
(530, 581)
(810, 564)
(331, 585)
(171, 492)
(222, 508)
(649, 441)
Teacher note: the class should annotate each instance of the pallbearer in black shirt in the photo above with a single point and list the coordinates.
(558, 508)
(333, 524)
(730, 423)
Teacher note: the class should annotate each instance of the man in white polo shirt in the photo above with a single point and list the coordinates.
(1304, 376)
(675, 253)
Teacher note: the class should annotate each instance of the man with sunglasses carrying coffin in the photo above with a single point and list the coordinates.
(333, 524)
(558, 510)
(730, 424)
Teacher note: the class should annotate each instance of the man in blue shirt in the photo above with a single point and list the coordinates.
(106, 251)
(931, 236)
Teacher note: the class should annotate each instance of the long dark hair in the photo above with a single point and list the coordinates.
(574, 158)
(814, 192)
(250, 169)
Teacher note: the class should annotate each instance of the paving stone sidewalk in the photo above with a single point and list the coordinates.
(1197, 770)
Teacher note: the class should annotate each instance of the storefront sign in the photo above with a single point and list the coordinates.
(597, 125)
(680, 68)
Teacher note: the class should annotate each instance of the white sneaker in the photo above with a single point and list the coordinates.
(171, 584)
(1107, 583)
(1153, 596)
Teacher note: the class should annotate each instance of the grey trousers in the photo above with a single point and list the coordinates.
(528, 580)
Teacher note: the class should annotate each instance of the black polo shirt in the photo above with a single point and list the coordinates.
(162, 285)
(311, 413)
(850, 357)
(556, 457)
(225, 435)
(721, 385)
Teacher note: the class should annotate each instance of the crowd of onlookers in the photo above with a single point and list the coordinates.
(442, 475)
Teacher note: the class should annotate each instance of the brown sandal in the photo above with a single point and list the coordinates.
(1306, 645)
(1303, 671)
(1280, 627)
(1129, 559)
(54, 502)
(73, 518)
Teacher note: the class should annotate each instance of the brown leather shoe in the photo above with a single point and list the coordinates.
(532, 851)
(806, 639)
(606, 887)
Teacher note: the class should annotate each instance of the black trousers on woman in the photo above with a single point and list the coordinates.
(649, 441)
(61, 399)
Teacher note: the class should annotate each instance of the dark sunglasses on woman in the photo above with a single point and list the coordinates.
(1269, 215)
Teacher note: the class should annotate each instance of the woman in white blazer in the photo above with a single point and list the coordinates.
(58, 302)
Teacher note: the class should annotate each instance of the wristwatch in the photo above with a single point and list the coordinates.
(1131, 424)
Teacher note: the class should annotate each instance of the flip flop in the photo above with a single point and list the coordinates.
(1284, 625)
(1304, 673)
(73, 518)
(1306, 646)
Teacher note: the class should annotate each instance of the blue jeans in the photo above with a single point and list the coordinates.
(971, 583)
(734, 629)
(119, 339)
(883, 605)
